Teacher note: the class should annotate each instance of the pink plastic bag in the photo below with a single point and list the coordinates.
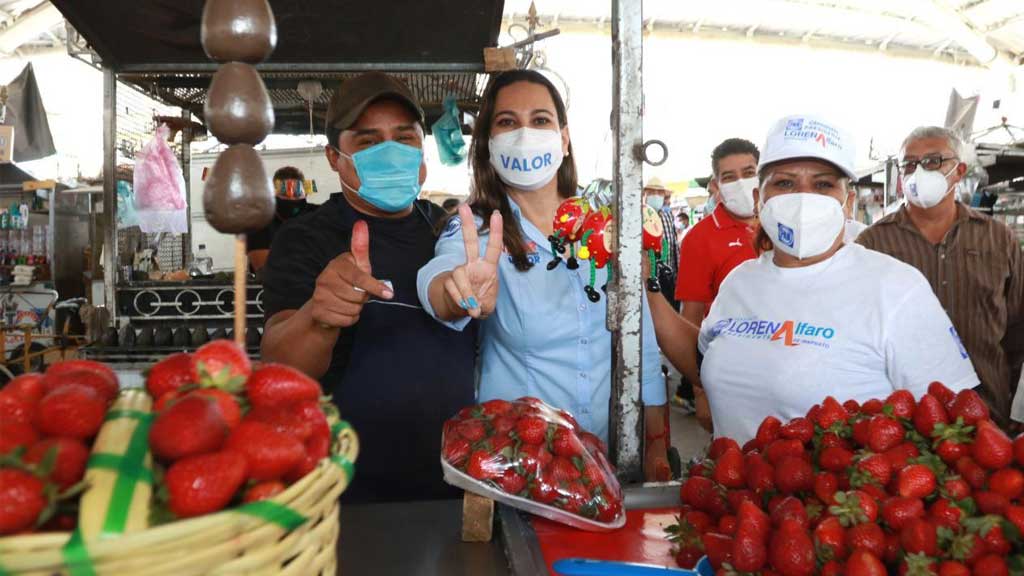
(159, 187)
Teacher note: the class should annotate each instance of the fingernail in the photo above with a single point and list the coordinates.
(463, 305)
(388, 294)
(473, 303)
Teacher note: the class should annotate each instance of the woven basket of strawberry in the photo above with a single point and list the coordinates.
(48, 425)
(534, 457)
(893, 486)
(218, 466)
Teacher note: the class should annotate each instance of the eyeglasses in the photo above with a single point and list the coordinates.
(929, 162)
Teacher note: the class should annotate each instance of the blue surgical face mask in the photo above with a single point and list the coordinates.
(389, 175)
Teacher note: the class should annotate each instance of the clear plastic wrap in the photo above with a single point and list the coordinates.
(159, 187)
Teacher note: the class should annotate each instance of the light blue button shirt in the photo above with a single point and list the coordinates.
(545, 338)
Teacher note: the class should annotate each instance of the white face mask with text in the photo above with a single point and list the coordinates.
(803, 225)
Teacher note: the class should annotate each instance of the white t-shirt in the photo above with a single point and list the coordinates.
(858, 325)
(853, 229)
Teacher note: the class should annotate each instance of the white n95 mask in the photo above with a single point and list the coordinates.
(926, 188)
(738, 196)
(802, 224)
(527, 158)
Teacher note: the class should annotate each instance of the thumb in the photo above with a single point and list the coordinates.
(360, 246)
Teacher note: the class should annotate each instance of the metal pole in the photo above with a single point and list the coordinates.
(110, 190)
(889, 189)
(625, 295)
(186, 168)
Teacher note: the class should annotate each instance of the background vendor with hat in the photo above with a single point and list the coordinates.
(812, 316)
(341, 303)
(290, 197)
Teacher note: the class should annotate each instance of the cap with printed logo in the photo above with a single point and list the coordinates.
(355, 94)
(808, 136)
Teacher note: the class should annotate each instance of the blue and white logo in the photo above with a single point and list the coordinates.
(795, 124)
(452, 228)
(959, 343)
(786, 235)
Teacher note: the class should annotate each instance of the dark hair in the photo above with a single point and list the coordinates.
(489, 192)
(288, 173)
(450, 204)
(731, 147)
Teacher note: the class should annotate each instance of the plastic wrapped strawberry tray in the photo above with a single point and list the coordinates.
(536, 458)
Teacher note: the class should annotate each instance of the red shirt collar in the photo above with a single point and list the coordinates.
(723, 219)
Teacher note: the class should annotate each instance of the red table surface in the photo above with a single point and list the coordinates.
(642, 539)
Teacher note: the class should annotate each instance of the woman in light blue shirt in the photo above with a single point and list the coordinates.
(540, 334)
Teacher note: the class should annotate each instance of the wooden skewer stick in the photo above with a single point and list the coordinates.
(241, 269)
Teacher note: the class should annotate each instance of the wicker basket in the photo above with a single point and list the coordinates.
(293, 533)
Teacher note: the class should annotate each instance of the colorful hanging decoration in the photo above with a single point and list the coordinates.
(566, 230)
(654, 240)
(598, 247)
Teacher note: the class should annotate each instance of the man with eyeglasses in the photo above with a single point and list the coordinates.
(973, 263)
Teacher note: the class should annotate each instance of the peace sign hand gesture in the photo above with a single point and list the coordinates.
(473, 287)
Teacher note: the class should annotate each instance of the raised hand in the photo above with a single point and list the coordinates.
(473, 286)
(347, 283)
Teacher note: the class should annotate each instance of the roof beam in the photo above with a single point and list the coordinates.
(952, 24)
(30, 25)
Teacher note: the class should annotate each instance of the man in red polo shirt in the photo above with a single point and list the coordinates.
(709, 251)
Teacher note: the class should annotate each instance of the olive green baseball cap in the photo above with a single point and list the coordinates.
(355, 94)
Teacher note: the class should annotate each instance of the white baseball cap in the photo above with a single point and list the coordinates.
(809, 136)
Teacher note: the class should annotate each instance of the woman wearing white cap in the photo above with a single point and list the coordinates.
(812, 316)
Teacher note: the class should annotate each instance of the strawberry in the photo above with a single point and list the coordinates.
(194, 425)
(902, 404)
(941, 393)
(835, 459)
(852, 406)
(729, 469)
(928, 413)
(854, 507)
(917, 564)
(829, 533)
(826, 484)
(71, 410)
(204, 483)
(565, 443)
(496, 407)
(992, 448)
(991, 565)
(893, 552)
(899, 456)
(800, 429)
(720, 445)
(970, 471)
(794, 474)
(14, 408)
(69, 457)
(53, 373)
(945, 513)
(512, 482)
(169, 374)
(916, 481)
(485, 466)
(505, 423)
(792, 510)
(592, 443)
(873, 406)
(274, 384)
(701, 522)
(534, 458)
(568, 420)
(792, 550)
(688, 556)
(562, 470)
(456, 451)
(953, 568)
(919, 536)
(317, 446)
(969, 406)
(735, 498)
(222, 364)
(263, 491)
(867, 536)
(749, 553)
(718, 548)
(861, 431)
(14, 435)
(727, 525)
(269, 454)
(751, 520)
(472, 430)
(29, 387)
(991, 502)
(884, 433)
(102, 384)
(227, 403)
(831, 413)
(696, 490)
(950, 451)
(608, 511)
(1018, 449)
(282, 420)
(991, 533)
(863, 562)
(875, 469)
(759, 473)
(1008, 481)
(780, 449)
(899, 510)
(23, 501)
(768, 431)
(532, 429)
(540, 490)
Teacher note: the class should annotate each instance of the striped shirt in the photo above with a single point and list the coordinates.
(977, 272)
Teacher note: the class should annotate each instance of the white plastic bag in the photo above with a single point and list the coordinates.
(159, 186)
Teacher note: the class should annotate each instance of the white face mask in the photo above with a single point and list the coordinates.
(527, 158)
(655, 201)
(926, 188)
(738, 196)
(802, 224)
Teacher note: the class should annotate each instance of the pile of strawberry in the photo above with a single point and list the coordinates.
(229, 433)
(47, 423)
(528, 449)
(896, 486)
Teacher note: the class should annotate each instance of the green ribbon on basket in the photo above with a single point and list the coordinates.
(275, 513)
(342, 461)
(77, 557)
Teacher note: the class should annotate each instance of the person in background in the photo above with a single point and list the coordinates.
(709, 251)
(972, 262)
(682, 227)
(540, 335)
(290, 196)
(450, 205)
(658, 197)
(341, 300)
(814, 317)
